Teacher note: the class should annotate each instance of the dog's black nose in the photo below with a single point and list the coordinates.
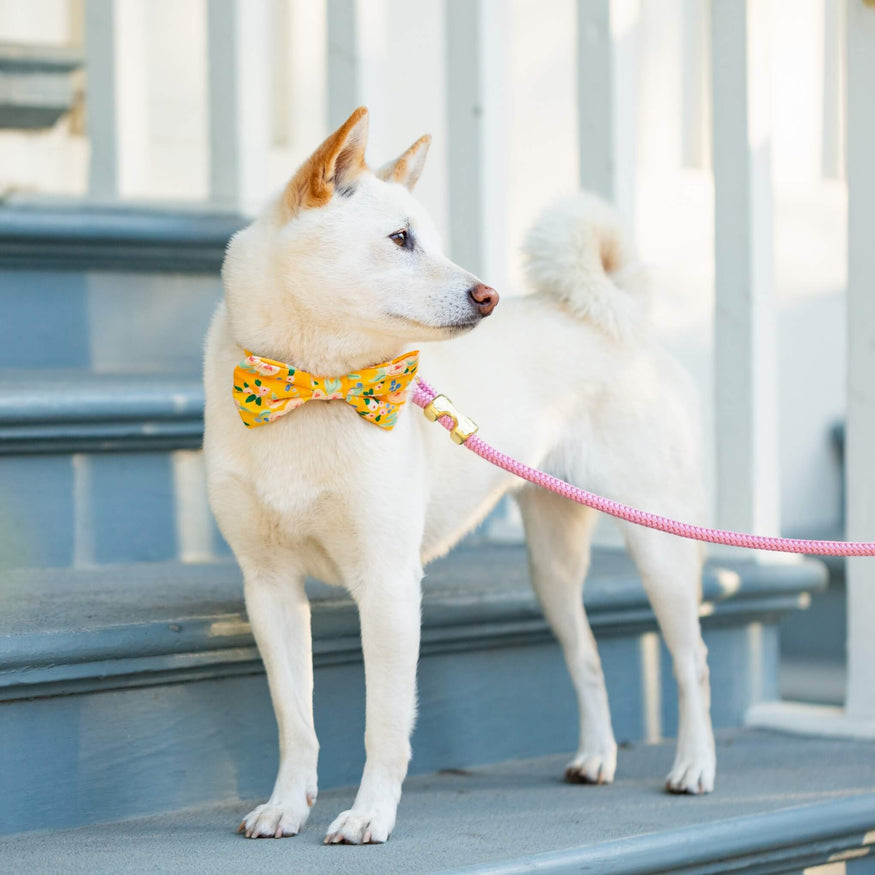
(484, 298)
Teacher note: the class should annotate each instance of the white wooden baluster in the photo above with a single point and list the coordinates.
(222, 53)
(834, 89)
(595, 97)
(132, 86)
(475, 40)
(239, 58)
(344, 92)
(308, 99)
(607, 99)
(696, 69)
(860, 456)
(475, 118)
(744, 322)
(100, 45)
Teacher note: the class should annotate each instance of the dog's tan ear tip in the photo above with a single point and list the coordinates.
(356, 126)
(421, 145)
(357, 122)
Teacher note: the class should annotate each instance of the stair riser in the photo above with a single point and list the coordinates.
(105, 508)
(105, 321)
(78, 759)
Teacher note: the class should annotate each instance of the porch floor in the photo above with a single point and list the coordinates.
(773, 791)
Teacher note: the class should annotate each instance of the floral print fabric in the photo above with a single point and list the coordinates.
(265, 390)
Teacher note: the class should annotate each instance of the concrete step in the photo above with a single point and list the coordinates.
(129, 690)
(783, 803)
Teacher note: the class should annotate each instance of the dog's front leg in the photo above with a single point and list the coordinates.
(280, 616)
(390, 616)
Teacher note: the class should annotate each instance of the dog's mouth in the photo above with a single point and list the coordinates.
(451, 328)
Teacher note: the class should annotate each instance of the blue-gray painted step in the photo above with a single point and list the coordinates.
(63, 626)
(74, 412)
(782, 803)
(83, 237)
(137, 689)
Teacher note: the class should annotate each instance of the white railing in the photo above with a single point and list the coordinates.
(861, 356)
(745, 337)
(103, 126)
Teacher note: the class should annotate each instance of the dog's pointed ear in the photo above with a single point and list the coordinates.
(333, 167)
(406, 169)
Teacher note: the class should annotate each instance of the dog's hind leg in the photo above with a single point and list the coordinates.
(558, 535)
(280, 616)
(671, 569)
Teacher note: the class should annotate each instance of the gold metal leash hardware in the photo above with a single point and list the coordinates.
(440, 406)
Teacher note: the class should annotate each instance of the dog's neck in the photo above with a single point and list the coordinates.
(318, 361)
(316, 350)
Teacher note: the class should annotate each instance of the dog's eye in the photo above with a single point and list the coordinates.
(400, 238)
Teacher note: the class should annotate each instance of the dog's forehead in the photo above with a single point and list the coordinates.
(384, 204)
(382, 207)
(388, 197)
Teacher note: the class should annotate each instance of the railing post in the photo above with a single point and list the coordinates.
(240, 130)
(607, 99)
(595, 97)
(860, 703)
(744, 322)
(100, 45)
(344, 92)
(475, 120)
(476, 148)
(696, 72)
(834, 90)
(132, 84)
(222, 57)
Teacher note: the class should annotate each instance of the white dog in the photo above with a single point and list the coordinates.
(344, 271)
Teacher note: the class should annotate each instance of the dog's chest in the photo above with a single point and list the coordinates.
(328, 480)
(301, 466)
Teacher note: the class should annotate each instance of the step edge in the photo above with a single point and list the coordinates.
(147, 239)
(150, 666)
(453, 618)
(100, 415)
(608, 598)
(816, 833)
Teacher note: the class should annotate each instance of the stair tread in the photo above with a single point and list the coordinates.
(89, 626)
(55, 600)
(75, 411)
(501, 815)
(73, 395)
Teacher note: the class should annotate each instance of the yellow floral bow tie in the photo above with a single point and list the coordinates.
(265, 390)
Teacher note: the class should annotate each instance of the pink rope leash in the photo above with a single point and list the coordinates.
(424, 394)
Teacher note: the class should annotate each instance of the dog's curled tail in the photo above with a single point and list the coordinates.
(577, 252)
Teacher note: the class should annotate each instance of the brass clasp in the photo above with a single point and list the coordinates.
(440, 406)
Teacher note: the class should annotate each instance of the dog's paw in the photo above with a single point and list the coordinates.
(590, 767)
(274, 820)
(358, 828)
(692, 774)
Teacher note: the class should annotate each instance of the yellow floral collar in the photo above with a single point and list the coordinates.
(265, 390)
